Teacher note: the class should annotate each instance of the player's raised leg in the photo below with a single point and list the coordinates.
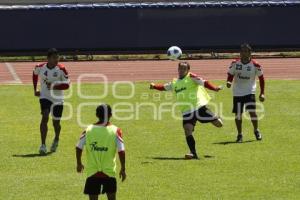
(192, 97)
(217, 123)
(205, 115)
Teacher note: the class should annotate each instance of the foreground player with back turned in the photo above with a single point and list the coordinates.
(102, 140)
(54, 79)
(242, 73)
(192, 99)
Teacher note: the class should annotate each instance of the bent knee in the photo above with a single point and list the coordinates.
(56, 122)
(45, 117)
(45, 113)
(252, 114)
(188, 129)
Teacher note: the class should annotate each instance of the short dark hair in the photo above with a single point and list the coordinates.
(103, 112)
(186, 64)
(247, 46)
(52, 52)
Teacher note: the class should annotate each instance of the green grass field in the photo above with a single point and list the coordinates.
(269, 169)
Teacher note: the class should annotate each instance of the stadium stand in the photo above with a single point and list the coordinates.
(140, 26)
(28, 2)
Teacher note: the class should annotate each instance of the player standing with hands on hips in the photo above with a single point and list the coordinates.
(242, 73)
(192, 99)
(54, 79)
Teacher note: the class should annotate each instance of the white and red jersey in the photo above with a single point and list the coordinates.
(56, 76)
(244, 77)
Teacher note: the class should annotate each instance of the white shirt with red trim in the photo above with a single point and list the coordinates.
(119, 140)
(244, 82)
(56, 75)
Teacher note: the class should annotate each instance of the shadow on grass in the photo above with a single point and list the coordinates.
(233, 142)
(179, 158)
(168, 158)
(32, 155)
(208, 156)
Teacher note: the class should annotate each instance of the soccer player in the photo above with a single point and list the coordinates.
(54, 79)
(192, 99)
(102, 141)
(242, 73)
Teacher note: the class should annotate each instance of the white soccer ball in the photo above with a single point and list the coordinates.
(174, 53)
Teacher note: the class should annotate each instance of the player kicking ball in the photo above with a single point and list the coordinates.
(242, 73)
(53, 79)
(192, 99)
(102, 140)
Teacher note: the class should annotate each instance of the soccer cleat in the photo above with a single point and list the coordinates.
(190, 156)
(257, 135)
(239, 138)
(54, 146)
(43, 149)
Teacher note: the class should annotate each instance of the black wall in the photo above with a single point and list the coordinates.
(136, 28)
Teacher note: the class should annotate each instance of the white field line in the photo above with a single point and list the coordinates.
(12, 71)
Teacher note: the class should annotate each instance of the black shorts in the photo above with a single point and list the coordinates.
(96, 185)
(203, 115)
(247, 101)
(55, 109)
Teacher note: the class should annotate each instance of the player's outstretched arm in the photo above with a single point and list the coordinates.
(152, 85)
(212, 87)
(200, 81)
(161, 87)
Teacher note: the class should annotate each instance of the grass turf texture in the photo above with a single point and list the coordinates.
(252, 170)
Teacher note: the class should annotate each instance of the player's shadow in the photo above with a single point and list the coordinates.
(233, 142)
(168, 158)
(179, 158)
(32, 155)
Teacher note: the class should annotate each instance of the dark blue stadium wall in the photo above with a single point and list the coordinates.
(145, 27)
